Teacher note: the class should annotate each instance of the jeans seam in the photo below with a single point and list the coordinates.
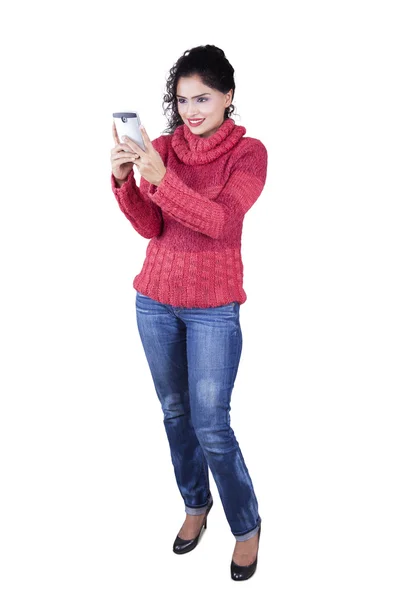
(205, 473)
(227, 421)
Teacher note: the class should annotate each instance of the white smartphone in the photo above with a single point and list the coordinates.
(127, 123)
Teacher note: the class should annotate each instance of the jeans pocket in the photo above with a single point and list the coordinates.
(227, 305)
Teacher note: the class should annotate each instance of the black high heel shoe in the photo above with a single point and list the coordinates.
(182, 546)
(241, 573)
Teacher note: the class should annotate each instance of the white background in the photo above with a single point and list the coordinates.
(89, 504)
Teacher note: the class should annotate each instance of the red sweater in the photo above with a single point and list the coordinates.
(195, 216)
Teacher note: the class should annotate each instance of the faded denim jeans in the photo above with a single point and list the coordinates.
(193, 355)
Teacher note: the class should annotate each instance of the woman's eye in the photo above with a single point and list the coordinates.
(182, 100)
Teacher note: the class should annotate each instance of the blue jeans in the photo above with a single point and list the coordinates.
(193, 355)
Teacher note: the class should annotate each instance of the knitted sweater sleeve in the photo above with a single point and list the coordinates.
(143, 214)
(215, 218)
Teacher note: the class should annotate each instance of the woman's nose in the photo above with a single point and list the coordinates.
(192, 110)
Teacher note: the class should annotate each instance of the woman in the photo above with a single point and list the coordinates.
(197, 182)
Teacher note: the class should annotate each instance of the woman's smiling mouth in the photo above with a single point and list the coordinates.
(195, 122)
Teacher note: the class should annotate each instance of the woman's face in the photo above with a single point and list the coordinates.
(197, 101)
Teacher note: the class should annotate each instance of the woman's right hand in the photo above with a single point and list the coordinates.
(121, 158)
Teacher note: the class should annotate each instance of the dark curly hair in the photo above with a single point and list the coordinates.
(215, 71)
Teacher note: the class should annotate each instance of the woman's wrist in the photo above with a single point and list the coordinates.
(120, 182)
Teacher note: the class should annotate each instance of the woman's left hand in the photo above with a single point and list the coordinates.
(148, 161)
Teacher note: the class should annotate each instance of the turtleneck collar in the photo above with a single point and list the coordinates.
(195, 150)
